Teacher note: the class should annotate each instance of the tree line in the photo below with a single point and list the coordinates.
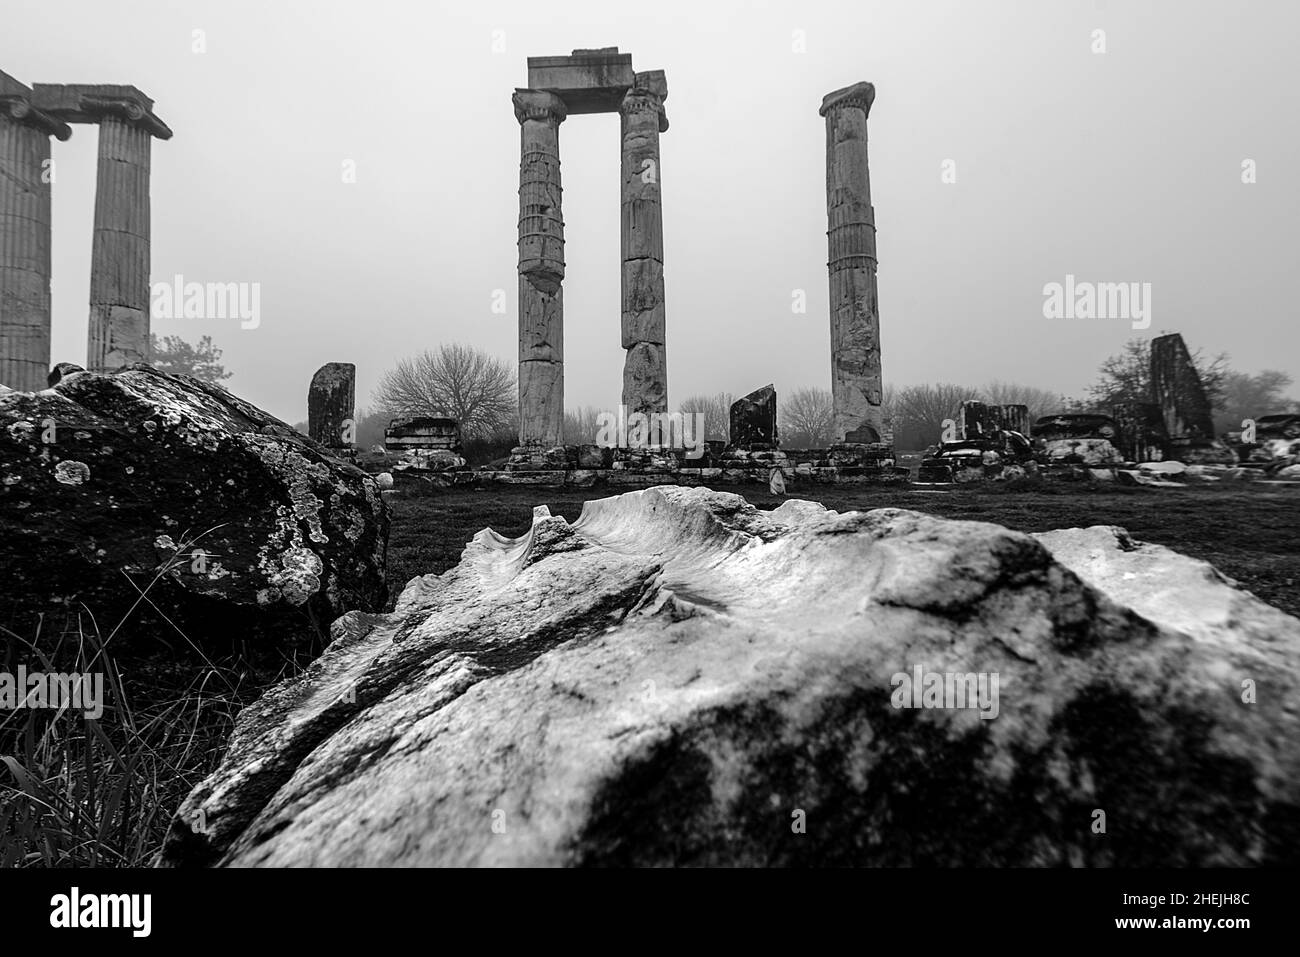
(480, 391)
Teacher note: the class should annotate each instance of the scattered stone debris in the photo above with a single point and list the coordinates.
(993, 444)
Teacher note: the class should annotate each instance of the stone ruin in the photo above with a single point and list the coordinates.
(856, 389)
(119, 278)
(425, 443)
(603, 80)
(992, 442)
(1188, 416)
(331, 401)
(588, 81)
(1166, 440)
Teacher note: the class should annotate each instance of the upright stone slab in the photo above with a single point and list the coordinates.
(541, 269)
(851, 239)
(753, 420)
(1188, 415)
(1177, 389)
(331, 405)
(645, 370)
(25, 178)
(119, 274)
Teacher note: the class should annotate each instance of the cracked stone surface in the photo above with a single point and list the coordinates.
(112, 480)
(673, 678)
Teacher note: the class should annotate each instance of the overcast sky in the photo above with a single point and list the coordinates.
(1123, 166)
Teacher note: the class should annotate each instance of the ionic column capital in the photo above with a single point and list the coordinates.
(859, 96)
(18, 107)
(87, 103)
(539, 105)
(132, 112)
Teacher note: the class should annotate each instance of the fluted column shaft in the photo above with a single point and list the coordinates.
(24, 252)
(119, 272)
(851, 238)
(541, 269)
(645, 369)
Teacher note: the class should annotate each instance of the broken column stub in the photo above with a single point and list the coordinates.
(645, 371)
(753, 420)
(541, 268)
(119, 275)
(331, 402)
(25, 235)
(851, 241)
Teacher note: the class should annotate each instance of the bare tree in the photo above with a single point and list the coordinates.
(717, 413)
(1041, 402)
(1126, 377)
(921, 409)
(807, 418)
(889, 407)
(458, 381)
(580, 425)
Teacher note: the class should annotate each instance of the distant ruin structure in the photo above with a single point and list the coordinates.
(119, 326)
(588, 81)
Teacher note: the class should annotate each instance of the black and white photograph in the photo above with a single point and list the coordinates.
(854, 436)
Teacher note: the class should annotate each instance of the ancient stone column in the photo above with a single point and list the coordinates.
(645, 370)
(25, 178)
(851, 238)
(331, 401)
(541, 269)
(119, 256)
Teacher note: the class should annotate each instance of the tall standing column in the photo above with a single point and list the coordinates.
(119, 269)
(541, 269)
(645, 370)
(25, 177)
(851, 237)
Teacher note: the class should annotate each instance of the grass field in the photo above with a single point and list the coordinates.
(1251, 533)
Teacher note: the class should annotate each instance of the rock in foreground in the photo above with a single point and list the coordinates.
(680, 679)
(235, 525)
